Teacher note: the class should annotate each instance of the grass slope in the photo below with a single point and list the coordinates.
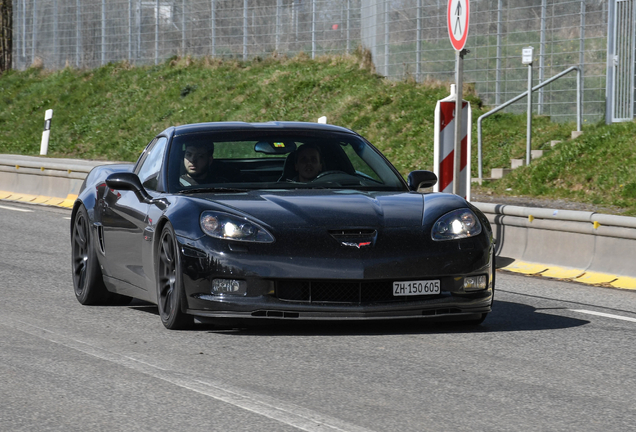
(113, 111)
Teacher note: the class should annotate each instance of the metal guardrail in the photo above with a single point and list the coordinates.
(582, 222)
(579, 110)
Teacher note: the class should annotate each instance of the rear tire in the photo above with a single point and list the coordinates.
(170, 294)
(87, 274)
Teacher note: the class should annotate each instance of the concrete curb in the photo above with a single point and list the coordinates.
(586, 247)
(577, 246)
(42, 180)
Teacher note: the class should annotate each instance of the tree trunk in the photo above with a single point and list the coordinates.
(6, 34)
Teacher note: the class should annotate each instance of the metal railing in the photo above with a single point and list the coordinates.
(579, 110)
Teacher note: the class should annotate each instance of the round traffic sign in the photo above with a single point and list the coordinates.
(458, 17)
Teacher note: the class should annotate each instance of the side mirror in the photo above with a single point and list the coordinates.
(421, 179)
(129, 182)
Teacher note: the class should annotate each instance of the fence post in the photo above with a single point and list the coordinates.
(418, 53)
(386, 37)
(544, 8)
(278, 23)
(348, 26)
(34, 37)
(213, 26)
(78, 34)
(138, 17)
(183, 28)
(498, 72)
(130, 27)
(157, 32)
(56, 38)
(244, 29)
(313, 29)
(582, 51)
(103, 61)
(24, 29)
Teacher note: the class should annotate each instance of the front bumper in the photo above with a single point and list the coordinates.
(445, 305)
(264, 269)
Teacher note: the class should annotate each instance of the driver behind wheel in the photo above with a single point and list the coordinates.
(309, 162)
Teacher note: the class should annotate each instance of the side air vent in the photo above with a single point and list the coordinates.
(99, 229)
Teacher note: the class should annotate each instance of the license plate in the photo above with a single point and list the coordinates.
(412, 288)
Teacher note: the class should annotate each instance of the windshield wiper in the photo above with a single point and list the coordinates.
(212, 189)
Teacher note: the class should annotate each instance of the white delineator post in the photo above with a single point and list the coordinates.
(44, 146)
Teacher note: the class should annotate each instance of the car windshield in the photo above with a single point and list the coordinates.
(239, 161)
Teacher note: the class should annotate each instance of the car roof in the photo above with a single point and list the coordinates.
(269, 126)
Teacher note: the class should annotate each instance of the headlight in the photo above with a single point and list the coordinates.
(227, 226)
(457, 224)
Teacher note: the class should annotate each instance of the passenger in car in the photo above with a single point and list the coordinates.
(309, 162)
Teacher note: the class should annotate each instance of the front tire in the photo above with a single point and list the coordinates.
(87, 275)
(170, 295)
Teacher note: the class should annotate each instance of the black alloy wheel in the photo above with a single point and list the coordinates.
(87, 276)
(170, 295)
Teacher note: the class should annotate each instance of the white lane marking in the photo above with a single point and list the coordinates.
(606, 315)
(66, 217)
(286, 413)
(15, 209)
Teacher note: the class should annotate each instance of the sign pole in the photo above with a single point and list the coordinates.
(459, 98)
(527, 58)
(457, 19)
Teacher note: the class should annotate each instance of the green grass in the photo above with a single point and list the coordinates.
(110, 113)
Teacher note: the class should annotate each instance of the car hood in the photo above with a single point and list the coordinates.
(328, 209)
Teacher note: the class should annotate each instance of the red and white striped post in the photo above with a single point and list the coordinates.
(444, 153)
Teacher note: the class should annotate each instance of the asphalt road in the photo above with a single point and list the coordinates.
(552, 356)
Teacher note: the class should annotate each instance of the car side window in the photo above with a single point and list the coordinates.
(151, 166)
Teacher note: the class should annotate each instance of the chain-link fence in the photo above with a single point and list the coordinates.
(408, 38)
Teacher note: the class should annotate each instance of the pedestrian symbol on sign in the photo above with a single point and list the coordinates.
(458, 23)
(457, 20)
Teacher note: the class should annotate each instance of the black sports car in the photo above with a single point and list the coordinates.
(280, 221)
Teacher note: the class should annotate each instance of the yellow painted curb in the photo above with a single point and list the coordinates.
(563, 273)
(26, 198)
(39, 199)
(572, 274)
(526, 268)
(624, 282)
(596, 278)
(68, 201)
